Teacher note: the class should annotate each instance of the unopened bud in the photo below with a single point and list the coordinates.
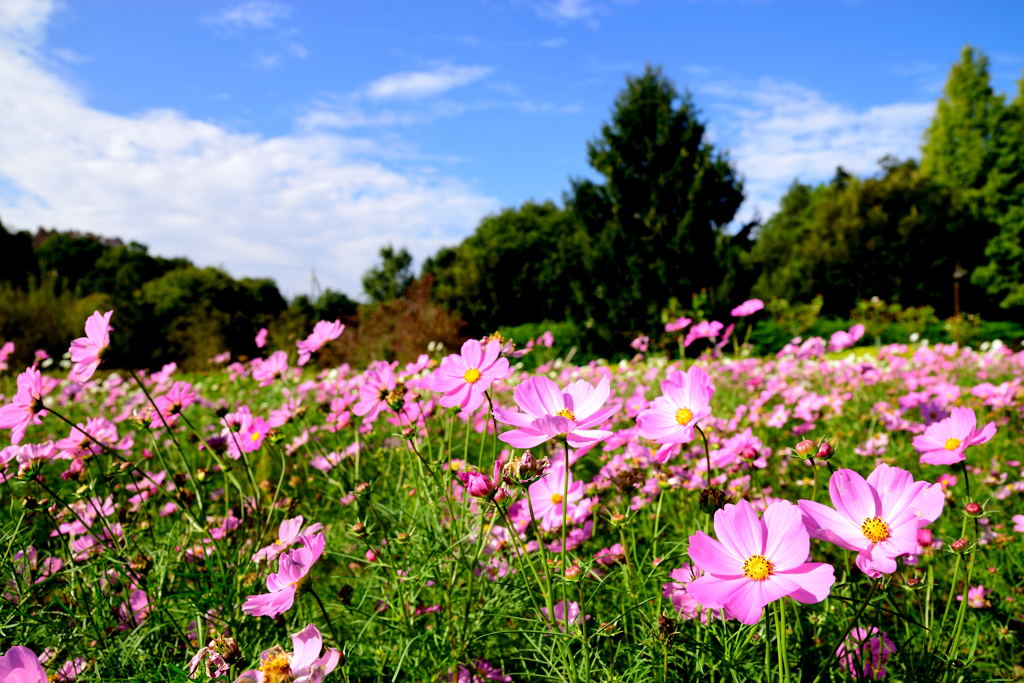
(359, 529)
(371, 556)
(362, 487)
(973, 509)
(824, 451)
(572, 573)
(749, 454)
(805, 447)
(959, 545)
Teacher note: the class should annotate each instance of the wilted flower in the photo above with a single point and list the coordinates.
(864, 651)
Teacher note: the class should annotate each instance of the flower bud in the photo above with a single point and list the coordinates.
(805, 447)
(959, 545)
(359, 529)
(973, 509)
(825, 451)
(572, 573)
(924, 537)
(749, 454)
(371, 556)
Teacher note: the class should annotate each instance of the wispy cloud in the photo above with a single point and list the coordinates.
(413, 84)
(254, 14)
(777, 131)
(70, 56)
(260, 206)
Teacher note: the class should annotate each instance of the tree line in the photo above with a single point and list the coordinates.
(617, 257)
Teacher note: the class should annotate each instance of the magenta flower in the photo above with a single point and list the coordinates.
(463, 378)
(755, 562)
(559, 614)
(976, 597)
(864, 652)
(685, 605)
(1018, 523)
(289, 532)
(26, 407)
(547, 495)
(265, 371)
(685, 400)
(180, 396)
(703, 330)
(549, 412)
(677, 324)
(944, 442)
(844, 339)
(86, 351)
(291, 570)
(261, 338)
(378, 382)
(21, 665)
(748, 307)
(879, 518)
(323, 332)
(303, 665)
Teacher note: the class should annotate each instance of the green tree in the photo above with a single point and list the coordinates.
(391, 277)
(653, 224)
(1003, 273)
(521, 265)
(896, 236)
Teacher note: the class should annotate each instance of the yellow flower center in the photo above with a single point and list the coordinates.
(874, 529)
(471, 375)
(255, 436)
(556, 498)
(684, 415)
(952, 444)
(758, 568)
(565, 412)
(277, 668)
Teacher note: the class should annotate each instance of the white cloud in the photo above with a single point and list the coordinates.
(260, 206)
(777, 131)
(411, 84)
(255, 14)
(70, 56)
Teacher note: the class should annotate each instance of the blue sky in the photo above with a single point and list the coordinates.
(274, 138)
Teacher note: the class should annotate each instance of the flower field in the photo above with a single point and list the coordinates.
(829, 513)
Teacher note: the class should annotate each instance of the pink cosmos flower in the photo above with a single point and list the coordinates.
(641, 343)
(559, 612)
(180, 396)
(261, 338)
(748, 307)
(755, 562)
(944, 442)
(549, 412)
(5, 352)
(677, 324)
(547, 495)
(685, 605)
(378, 381)
(323, 332)
(463, 378)
(685, 400)
(86, 351)
(288, 533)
(1018, 523)
(268, 370)
(844, 339)
(864, 652)
(703, 330)
(26, 407)
(291, 570)
(976, 597)
(21, 665)
(303, 665)
(878, 517)
(479, 671)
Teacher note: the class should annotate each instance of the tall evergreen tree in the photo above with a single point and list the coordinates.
(653, 223)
